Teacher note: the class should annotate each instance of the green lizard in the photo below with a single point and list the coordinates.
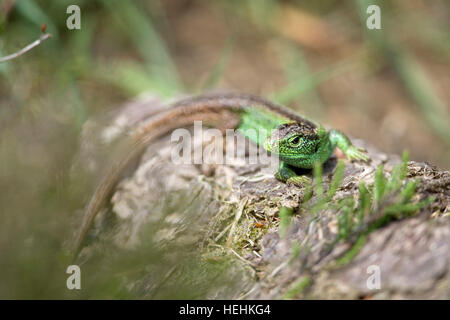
(298, 142)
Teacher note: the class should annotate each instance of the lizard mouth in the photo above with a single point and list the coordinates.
(293, 156)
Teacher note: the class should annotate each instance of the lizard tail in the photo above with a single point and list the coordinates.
(222, 116)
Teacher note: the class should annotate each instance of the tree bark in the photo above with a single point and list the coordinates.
(233, 210)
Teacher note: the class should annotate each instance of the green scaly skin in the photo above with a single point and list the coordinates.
(295, 146)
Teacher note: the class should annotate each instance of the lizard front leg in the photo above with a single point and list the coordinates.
(286, 174)
(340, 140)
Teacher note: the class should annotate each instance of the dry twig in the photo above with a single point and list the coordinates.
(42, 38)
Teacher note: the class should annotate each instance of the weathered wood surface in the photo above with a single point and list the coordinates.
(232, 210)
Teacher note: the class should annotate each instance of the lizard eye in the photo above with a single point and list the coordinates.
(295, 141)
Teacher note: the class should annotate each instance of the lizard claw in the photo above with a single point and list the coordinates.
(356, 153)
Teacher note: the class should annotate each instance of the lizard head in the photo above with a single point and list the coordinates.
(295, 142)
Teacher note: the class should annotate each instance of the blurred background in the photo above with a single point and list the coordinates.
(389, 87)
